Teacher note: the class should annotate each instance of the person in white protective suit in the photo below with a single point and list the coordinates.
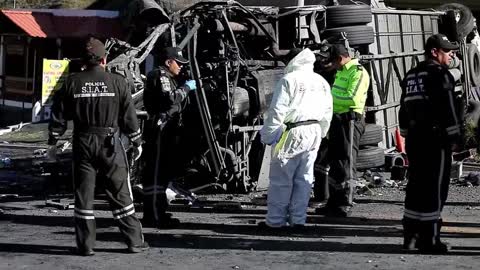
(297, 120)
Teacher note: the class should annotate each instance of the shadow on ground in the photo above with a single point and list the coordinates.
(221, 243)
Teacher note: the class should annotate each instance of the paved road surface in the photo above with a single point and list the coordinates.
(34, 236)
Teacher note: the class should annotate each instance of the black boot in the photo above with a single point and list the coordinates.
(137, 249)
(337, 204)
(166, 221)
(437, 248)
(410, 235)
(320, 190)
(84, 251)
(429, 241)
(334, 211)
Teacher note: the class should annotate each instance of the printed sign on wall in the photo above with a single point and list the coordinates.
(54, 72)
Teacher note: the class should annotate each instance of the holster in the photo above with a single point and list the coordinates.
(112, 142)
(111, 135)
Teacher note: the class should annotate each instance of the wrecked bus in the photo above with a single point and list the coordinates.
(235, 54)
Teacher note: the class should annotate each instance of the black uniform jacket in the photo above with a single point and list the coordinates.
(428, 104)
(162, 94)
(94, 98)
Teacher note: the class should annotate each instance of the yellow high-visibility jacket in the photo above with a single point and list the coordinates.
(349, 91)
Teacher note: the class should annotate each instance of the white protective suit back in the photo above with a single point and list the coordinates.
(300, 95)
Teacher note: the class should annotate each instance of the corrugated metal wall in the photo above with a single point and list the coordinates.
(400, 38)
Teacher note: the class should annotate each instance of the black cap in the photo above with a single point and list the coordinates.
(338, 50)
(324, 51)
(440, 41)
(94, 49)
(173, 53)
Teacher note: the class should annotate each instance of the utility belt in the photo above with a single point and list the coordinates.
(301, 123)
(108, 131)
(351, 115)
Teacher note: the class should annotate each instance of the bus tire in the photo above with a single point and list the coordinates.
(345, 15)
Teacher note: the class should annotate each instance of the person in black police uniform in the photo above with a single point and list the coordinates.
(164, 102)
(429, 122)
(100, 105)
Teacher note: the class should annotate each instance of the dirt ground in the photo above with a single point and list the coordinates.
(34, 236)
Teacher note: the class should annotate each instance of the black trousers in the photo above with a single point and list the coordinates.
(161, 166)
(430, 160)
(344, 139)
(320, 171)
(93, 154)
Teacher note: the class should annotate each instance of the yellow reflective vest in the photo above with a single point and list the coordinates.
(349, 91)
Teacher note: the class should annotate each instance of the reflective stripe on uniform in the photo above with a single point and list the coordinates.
(76, 215)
(123, 209)
(123, 212)
(339, 87)
(135, 135)
(453, 130)
(322, 169)
(83, 213)
(422, 216)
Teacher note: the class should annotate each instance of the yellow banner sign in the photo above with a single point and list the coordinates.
(54, 72)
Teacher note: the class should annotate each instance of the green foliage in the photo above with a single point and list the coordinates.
(471, 137)
(76, 3)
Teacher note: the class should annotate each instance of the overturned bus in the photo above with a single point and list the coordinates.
(235, 54)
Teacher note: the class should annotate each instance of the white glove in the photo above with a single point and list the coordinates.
(137, 152)
(52, 153)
